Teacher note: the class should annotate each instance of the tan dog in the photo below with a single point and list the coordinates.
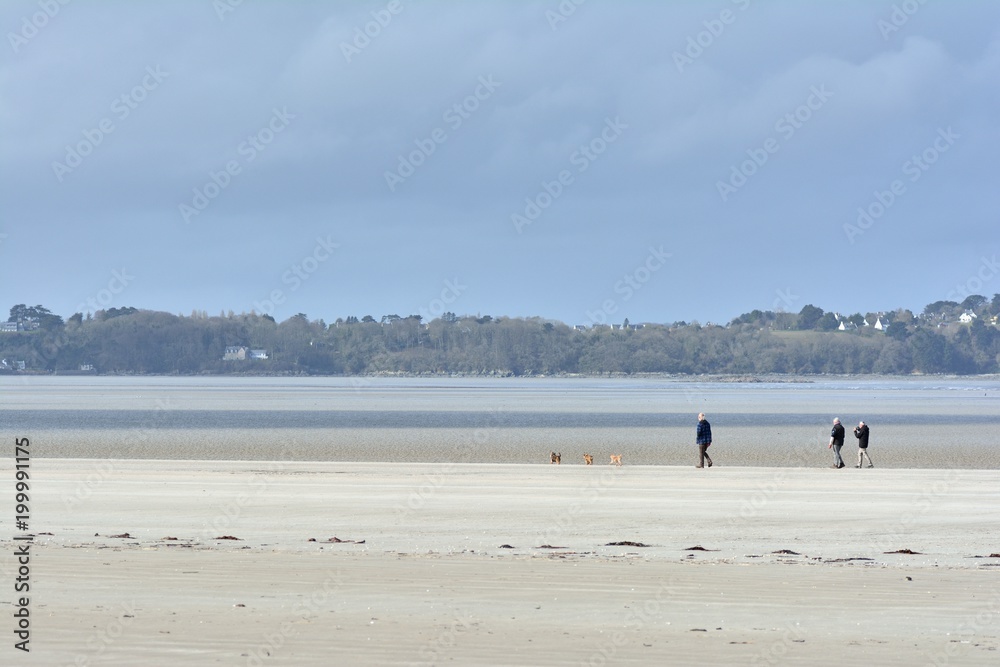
(555, 458)
(616, 459)
(588, 459)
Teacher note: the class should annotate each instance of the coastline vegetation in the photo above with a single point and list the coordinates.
(131, 340)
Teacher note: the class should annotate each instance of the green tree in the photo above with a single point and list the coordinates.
(828, 322)
(18, 313)
(941, 309)
(928, 351)
(974, 302)
(903, 316)
(809, 317)
(898, 331)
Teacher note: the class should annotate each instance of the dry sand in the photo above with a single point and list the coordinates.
(421, 575)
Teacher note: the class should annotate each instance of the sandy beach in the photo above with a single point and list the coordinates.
(505, 564)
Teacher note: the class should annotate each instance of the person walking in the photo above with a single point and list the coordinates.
(836, 442)
(703, 438)
(861, 433)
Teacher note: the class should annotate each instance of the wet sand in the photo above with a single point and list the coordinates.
(929, 423)
(791, 567)
(968, 447)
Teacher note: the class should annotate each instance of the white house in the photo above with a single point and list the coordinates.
(235, 353)
(847, 325)
(880, 325)
(967, 317)
(242, 353)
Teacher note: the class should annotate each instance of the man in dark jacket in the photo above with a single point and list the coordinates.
(703, 438)
(836, 442)
(861, 433)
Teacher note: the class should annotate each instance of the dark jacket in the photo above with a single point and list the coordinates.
(837, 433)
(704, 433)
(861, 433)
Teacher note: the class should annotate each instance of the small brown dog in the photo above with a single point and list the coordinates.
(616, 459)
(555, 458)
(588, 459)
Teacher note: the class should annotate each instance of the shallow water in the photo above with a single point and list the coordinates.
(934, 422)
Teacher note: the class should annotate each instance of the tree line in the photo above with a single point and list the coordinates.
(132, 340)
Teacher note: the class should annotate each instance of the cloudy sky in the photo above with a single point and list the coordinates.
(655, 161)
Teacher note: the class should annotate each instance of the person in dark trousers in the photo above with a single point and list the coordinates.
(836, 442)
(861, 433)
(703, 438)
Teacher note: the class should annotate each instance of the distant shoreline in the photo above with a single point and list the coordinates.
(753, 378)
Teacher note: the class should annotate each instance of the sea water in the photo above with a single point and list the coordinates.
(915, 422)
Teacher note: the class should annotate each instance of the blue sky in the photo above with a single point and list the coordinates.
(655, 161)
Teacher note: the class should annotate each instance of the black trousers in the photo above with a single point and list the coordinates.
(703, 456)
